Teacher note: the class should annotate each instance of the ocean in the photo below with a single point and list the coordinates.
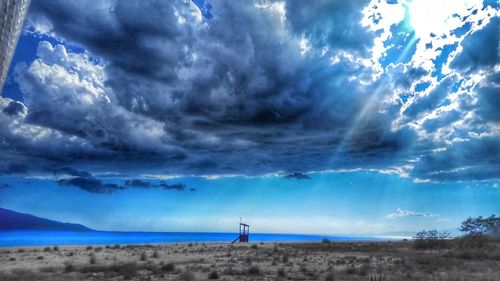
(46, 238)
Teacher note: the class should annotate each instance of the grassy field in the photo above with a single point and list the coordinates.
(405, 260)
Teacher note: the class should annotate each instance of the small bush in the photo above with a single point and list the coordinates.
(39, 258)
(281, 272)
(92, 259)
(127, 270)
(56, 248)
(351, 270)
(69, 267)
(47, 249)
(284, 259)
(363, 270)
(143, 256)
(49, 269)
(89, 247)
(254, 270)
(168, 267)
(254, 246)
(155, 255)
(187, 276)
(473, 241)
(213, 275)
(329, 277)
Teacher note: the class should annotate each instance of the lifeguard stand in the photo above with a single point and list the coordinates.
(244, 233)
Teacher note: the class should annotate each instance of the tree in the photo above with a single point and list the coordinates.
(431, 239)
(478, 226)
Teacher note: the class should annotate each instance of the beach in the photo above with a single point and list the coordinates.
(251, 261)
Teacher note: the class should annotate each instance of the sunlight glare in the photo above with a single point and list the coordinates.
(437, 16)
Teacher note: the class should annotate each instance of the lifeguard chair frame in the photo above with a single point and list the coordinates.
(244, 233)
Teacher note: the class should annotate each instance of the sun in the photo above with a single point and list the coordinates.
(438, 16)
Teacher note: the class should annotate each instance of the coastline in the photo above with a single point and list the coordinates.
(102, 238)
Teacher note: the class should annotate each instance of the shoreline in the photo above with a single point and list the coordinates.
(152, 245)
(71, 238)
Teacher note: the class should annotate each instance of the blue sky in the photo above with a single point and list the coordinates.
(347, 117)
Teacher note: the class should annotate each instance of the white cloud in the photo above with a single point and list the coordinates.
(406, 213)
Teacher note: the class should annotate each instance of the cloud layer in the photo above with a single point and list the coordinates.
(288, 87)
(405, 213)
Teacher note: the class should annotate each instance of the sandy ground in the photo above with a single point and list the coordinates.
(269, 261)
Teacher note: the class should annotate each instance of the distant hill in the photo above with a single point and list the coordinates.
(10, 220)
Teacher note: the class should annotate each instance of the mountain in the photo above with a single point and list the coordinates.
(10, 220)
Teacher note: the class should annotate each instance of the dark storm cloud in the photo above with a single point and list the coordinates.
(330, 24)
(14, 108)
(246, 91)
(163, 91)
(137, 183)
(176, 186)
(425, 103)
(480, 157)
(480, 49)
(72, 172)
(91, 184)
(13, 168)
(298, 176)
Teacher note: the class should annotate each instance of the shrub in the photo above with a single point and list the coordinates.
(281, 272)
(213, 275)
(254, 270)
(351, 270)
(187, 276)
(89, 247)
(254, 246)
(363, 270)
(329, 277)
(168, 267)
(47, 249)
(155, 255)
(93, 259)
(472, 241)
(431, 239)
(143, 256)
(68, 266)
(284, 258)
(128, 270)
(56, 248)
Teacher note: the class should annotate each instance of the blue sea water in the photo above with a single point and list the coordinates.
(44, 238)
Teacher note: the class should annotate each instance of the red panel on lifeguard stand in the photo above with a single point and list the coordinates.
(243, 237)
(244, 232)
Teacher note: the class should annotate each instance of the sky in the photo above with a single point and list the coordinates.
(328, 117)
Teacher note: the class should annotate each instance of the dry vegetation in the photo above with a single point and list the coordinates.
(446, 260)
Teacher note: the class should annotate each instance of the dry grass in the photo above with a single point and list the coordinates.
(378, 261)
